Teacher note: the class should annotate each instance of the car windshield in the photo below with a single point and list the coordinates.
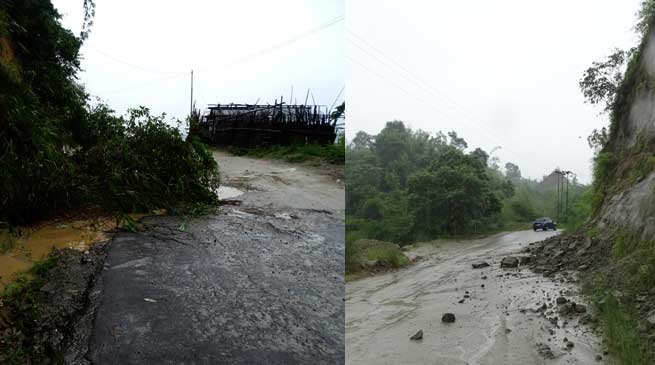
(543, 220)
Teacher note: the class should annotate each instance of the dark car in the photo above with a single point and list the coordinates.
(544, 224)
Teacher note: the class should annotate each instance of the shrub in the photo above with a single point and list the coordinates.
(141, 163)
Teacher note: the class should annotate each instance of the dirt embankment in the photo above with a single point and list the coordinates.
(607, 275)
(38, 317)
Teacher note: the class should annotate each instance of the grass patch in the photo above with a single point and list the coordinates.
(21, 301)
(619, 324)
(331, 153)
(363, 254)
(615, 290)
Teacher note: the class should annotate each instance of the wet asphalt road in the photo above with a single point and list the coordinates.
(260, 283)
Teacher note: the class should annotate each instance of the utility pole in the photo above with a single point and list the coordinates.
(191, 104)
(563, 193)
(566, 209)
(559, 176)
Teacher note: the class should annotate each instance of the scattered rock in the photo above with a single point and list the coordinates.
(509, 262)
(507, 330)
(448, 318)
(524, 260)
(411, 256)
(561, 300)
(570, 344)
(417, 336)
(545, 351)
(651, 318)
(480, 265)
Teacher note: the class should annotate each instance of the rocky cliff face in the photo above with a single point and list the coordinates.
(629, 203)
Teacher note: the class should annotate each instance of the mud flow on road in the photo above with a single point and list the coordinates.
(503, 316)
(259, 282)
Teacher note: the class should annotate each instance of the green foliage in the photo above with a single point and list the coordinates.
(22, 300)
(352, 254)
(338, 111)
(331, 153)
(390, 255)
(56, 151)
(364, 252)
(604, 164)
(404, 185)
(580, 210)
(140, 163)
(644, 165)
(453, 195)
(600, 82)
(619, 324)
(608, 83)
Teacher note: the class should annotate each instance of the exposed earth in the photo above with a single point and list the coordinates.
(259, 282)
(467, 315)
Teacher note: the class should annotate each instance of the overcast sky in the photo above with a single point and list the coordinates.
(141, 52)
(501, 72)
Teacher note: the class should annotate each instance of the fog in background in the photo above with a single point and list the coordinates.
(141, 52)
(500, 73)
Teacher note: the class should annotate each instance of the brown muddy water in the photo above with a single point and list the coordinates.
(36, 242)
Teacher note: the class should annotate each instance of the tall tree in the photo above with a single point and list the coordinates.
(512, 171)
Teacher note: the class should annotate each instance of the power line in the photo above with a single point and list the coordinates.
(417, 98)
(337, 98)
(135, 66)
(241, 59)
(285, 43)
(138, 86)
(414, 81)
(417, 79)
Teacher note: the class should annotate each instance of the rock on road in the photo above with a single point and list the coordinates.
(498, 320)
(259, 283)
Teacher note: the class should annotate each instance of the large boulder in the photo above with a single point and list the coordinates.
(448, 318)
(509, 262)
(480, 265)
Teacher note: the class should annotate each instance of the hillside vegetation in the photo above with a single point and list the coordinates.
(59, 151)
(621, 222)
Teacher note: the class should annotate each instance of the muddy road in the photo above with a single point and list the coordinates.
(498, 320)
(257, 283)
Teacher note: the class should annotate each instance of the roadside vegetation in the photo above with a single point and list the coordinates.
(621, 287)
(311, 153)
(59, 151)
(405, 186)
(22, 305)
(374, 255)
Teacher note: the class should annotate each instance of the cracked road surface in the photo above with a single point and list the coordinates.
(497, 321)
(260, 283)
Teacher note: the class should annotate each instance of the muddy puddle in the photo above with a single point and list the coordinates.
(34, 243)
(228, 192)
